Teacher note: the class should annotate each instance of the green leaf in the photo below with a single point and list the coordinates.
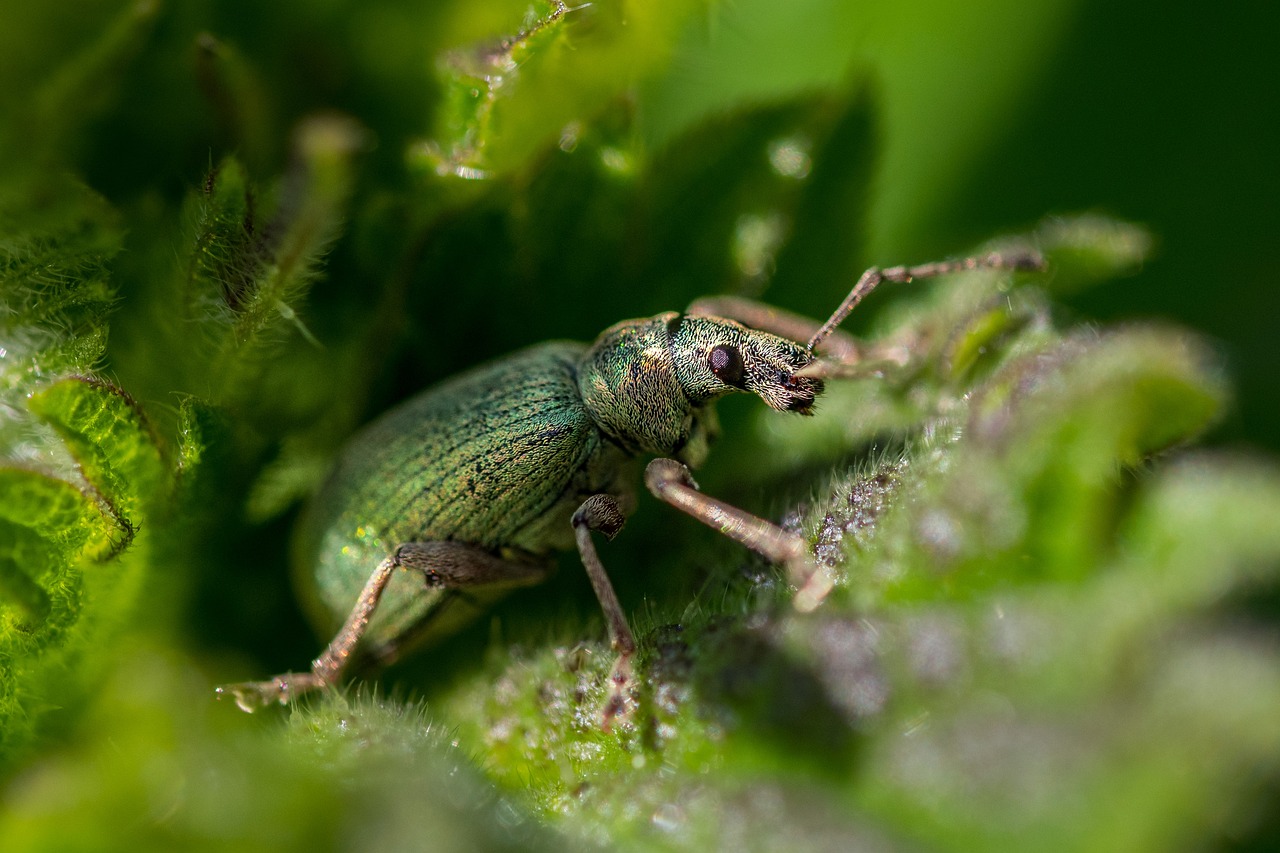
(53, 536)
(251, 257)
(368, 769)
(56, 240)
(504, 102)
(223, 259)
(45, 525)
(114, 446)
(1088, 249)
(1030, 492)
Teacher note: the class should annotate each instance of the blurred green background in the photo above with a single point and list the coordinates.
(993, 116)
(261, 224)
(1169, 119)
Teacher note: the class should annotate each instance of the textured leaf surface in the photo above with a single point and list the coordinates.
(228, 239)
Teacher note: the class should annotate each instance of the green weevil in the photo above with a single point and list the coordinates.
(469, 488)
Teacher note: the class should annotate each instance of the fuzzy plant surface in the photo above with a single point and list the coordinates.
(228, 239)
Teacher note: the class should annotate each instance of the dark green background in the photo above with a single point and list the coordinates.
(1167, 114)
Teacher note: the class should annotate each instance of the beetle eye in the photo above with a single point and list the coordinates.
(726, 364)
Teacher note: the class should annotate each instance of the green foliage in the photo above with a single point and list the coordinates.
(63, 543)
(227, 239)
(250, 266)
(502, 101)
(57, 240)
(365, 772)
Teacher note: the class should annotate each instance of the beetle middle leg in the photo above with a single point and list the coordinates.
(602, 512)
(451, 565)
(670, 481)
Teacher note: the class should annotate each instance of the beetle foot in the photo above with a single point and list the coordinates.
(813, 583)
(251, 696)
(620, 703)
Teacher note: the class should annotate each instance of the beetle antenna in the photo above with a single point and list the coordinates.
(1026, 259)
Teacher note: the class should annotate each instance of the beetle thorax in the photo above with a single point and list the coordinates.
(629, 384)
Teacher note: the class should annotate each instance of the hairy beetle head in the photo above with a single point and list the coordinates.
(712, 357)
(649, 383)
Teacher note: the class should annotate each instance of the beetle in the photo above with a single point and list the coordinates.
(469, 488)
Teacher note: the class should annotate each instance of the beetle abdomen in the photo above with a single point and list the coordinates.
(491, 458)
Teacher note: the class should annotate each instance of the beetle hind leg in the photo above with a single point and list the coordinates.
(453, 565)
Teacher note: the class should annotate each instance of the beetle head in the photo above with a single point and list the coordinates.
(647, 382)
(714, 357)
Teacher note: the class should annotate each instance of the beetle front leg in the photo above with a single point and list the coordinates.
(670, 481)
(601, 512)
(441, 564)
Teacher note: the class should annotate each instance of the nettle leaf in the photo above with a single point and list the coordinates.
(473, 80)
(252, 254)
(504, 101)
(202, 432)
(116, 449)
(223, 263)
(83, 472)
(1022, 642)
(1088, 249)
(46, 524)
(56, 239)
(309, 211)
(64, 577)
(1021, 464)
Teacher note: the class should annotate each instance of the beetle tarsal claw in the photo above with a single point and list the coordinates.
(813, 583)
(249, 696)
(619, 703)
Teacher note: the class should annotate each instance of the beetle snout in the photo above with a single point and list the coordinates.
(801, 392)
(777, 383)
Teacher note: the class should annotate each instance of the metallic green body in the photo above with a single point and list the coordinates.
(498, 457)
(468, 488)
(501, 457)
